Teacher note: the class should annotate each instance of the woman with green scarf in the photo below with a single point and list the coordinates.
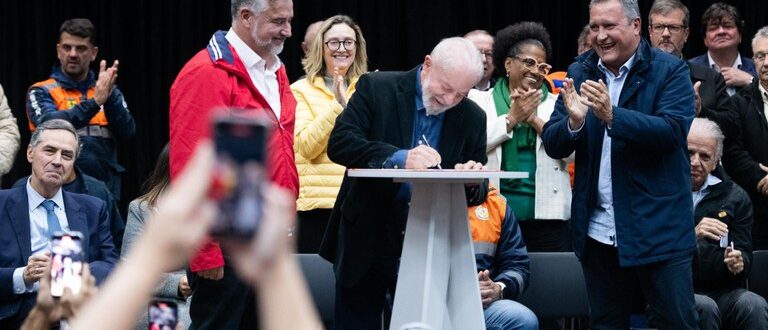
(517, 107)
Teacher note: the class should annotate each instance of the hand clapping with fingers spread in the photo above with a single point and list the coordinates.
(105, 82)
(595, 95)
(577, 110)
(522, 106)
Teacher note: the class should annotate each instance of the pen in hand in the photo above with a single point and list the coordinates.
(423, 137)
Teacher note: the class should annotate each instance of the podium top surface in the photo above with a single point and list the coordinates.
(449, 175)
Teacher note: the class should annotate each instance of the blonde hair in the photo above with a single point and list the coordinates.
(314, 64)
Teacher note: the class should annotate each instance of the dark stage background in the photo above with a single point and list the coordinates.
(154, 38)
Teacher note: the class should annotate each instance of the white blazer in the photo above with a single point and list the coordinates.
(553, 184)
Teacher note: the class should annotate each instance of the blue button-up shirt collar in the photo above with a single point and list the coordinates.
(38, 218)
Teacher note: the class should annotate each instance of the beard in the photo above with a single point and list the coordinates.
(267, 43)
(426, 99)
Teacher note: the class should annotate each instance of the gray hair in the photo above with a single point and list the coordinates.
(55, 124)
(709, 129)
(664, 7)
(458, 52)
(257, 6)
(478, 32)
(760, 34)
(630, 7)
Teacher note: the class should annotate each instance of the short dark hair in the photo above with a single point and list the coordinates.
(79, 27)
(719, 10)
(664, 7)
(510, 40)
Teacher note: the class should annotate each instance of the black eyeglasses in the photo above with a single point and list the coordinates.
(335, 45)
(530, 64)
(759, 56)
(673, 28)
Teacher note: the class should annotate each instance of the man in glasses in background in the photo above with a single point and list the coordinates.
(668, 28)
(722, 27)
(484, 43)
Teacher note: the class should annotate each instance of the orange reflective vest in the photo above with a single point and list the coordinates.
(66, 98)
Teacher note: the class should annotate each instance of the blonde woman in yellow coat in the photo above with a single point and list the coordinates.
(336, 59)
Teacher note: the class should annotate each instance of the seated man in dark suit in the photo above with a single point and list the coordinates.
(746, 155)
(668, 28)
(75, 181)
(722, 27)
(723, 217)
(30, 214)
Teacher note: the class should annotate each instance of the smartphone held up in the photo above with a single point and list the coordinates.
(66, 262)
(163, 315)
(240, 138)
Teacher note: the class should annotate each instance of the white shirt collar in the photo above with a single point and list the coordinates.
(35, 199)
(710, 181)
(248, 56)
(712, 64)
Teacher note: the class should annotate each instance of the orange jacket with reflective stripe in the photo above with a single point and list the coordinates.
(66, 98)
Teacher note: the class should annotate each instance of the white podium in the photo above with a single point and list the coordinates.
(437, 285)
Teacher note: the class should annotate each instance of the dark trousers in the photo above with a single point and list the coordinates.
(224, 304)
(667, 287)
(26, 302)
(732, 309)
(360, 306)
(311, 229)
(546, 235)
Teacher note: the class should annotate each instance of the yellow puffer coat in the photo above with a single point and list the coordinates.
(316, 112)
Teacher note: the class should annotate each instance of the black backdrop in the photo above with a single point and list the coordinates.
(154, 38)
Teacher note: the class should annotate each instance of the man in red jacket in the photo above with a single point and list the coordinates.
(238, 69)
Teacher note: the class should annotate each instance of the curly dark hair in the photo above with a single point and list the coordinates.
(510, 40)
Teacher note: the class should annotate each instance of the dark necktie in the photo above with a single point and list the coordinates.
(53, 220)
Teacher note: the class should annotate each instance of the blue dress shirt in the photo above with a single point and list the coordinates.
(38, 232)
(602, 222)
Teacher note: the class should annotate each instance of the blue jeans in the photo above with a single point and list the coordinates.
(509, 314)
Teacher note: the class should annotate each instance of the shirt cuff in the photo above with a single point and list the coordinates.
(19, 286)
(397, 160)
(575, 131)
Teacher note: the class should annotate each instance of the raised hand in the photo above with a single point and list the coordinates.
(577, 110)
(105, 82)
(339, 89)
(522, 106)
(595, 95)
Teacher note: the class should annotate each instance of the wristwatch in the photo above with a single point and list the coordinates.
(502, 286)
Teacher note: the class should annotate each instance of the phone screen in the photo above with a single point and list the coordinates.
(239, 174)
(163, 315)
(66, 263)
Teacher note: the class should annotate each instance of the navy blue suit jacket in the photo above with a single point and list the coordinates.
(650, 166)
(85, 214)
(747, 64)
